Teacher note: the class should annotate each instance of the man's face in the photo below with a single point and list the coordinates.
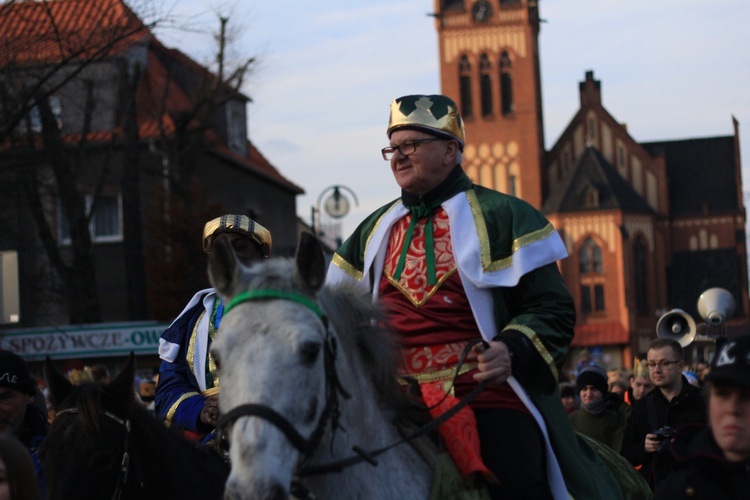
(428, 166)
(569, 402)
(665, 370)
(641, 386)
(590, 394)
(729, 418)
(244, 247)
(12, 409)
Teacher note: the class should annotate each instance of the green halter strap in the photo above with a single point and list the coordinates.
(250, 295)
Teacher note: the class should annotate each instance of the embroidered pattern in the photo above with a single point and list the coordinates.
(413, 280)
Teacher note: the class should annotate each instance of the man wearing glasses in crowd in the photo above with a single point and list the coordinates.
(657, 416)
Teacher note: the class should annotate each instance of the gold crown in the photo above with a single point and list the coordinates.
(240, 224)
(432, 113)
(640, 368)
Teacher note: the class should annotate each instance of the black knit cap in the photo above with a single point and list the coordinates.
(593, 375)
(732, 362)
(14, 373)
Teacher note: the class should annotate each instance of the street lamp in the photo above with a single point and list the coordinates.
(336, 205)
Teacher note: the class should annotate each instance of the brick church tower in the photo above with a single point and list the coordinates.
(489, 64)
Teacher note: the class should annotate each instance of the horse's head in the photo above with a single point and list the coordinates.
(83, 451)
(271, 351)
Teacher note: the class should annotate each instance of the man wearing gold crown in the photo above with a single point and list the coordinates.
(452, 262)
(640, 383)
(187, 394)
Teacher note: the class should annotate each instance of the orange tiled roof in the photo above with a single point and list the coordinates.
(56, 30)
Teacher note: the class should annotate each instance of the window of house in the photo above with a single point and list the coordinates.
(592, 128)
(640, 269)
(591, 197)
(506, 85)
(106, 221)
(590, 257)
(464, 81)
(453, 4)
(591, 277)
(35, 117)
(621, 155)
(512, 188)
(485, 82)
(236, 135)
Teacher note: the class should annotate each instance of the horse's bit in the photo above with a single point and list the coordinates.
(125, 462)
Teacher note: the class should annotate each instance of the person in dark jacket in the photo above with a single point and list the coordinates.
(19, 416)
(656, 417)
(713, 461)
(602, 415)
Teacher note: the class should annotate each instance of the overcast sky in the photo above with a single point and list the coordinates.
(328, 70)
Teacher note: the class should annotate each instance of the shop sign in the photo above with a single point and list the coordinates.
(84, 341)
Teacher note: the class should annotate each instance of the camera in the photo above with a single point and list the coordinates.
(665, 432)
(664, 435)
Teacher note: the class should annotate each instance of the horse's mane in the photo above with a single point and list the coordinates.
(360, 325)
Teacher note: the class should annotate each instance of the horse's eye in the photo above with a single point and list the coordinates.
(309, 352)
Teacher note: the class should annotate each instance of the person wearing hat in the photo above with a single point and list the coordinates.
(453, 263)
(186, 396)
(671, 404)
(568, 397)
(640, 384)
(713, 461)
(602, 415)
(19, 415)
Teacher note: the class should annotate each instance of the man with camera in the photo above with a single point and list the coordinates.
(656, 417)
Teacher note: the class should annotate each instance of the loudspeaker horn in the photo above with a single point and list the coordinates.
(677, 325)
(716, 305)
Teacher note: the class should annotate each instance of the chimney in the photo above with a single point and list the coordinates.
(591, 92)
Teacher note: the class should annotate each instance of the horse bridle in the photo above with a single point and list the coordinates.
(125, 462)
(333, 388)
(331, 411)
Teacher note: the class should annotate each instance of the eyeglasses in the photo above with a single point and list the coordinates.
(662, 365)
(406, 148)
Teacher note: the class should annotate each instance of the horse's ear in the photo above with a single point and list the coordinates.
(59, 386)
(311, 263)
(223, 267)
(122, 385)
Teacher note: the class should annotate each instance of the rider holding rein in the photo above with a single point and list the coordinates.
(452, 263)
(187, 394)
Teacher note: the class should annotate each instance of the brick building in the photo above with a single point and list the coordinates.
(648, 226)
(115, 150)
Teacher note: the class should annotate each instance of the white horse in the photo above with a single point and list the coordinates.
(305, 379)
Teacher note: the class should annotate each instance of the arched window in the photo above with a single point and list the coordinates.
(591, 277)
(485, 84)
(464, 82)
(640, 268)
(506, 85)
(590, 256)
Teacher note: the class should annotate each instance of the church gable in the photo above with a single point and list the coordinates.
(595, 184)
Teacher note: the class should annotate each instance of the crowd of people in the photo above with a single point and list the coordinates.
(463, 272)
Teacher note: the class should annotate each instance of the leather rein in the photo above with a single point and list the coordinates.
(330, 412)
